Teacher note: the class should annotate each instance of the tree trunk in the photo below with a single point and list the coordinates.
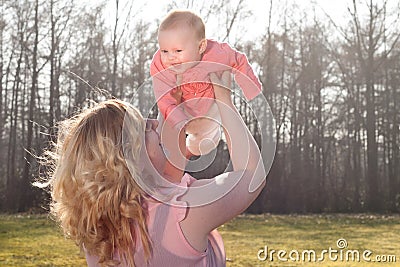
(12, 184)
(394, 159)
(26, 190)
(52, 71)
(115, 53)
(372, 151)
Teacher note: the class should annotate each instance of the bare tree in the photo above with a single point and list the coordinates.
(12, 194)
(26, 192)
(2, 27)
(59, 19)
(116, 42)
(143, 44)
(368, 42)
(333, 89)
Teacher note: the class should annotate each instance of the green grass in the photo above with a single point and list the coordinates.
(37, 241)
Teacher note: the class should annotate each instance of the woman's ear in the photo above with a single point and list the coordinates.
(202, 46)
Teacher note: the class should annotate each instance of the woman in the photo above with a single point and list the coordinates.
(99, 163)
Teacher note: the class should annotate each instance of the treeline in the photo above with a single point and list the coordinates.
(333, 88)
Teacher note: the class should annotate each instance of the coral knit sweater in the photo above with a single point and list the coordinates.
(196, 85)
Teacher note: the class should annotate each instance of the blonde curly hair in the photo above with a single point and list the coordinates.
(94, 196)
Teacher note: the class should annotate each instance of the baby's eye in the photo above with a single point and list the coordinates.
(179, 50)
(164, 51)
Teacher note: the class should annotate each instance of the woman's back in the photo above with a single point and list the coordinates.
(169, 245)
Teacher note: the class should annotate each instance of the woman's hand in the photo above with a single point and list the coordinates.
(176, 92)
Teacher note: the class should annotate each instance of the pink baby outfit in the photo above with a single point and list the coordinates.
(170, 247)
(196, 82)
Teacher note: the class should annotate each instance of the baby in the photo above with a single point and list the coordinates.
(180, 70)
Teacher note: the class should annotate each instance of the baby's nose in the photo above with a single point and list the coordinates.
(171, 56)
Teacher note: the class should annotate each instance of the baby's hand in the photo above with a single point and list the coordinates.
(176, 93)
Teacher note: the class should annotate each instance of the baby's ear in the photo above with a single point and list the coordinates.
(203, 46)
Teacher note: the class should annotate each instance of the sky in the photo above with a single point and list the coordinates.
(251, 27)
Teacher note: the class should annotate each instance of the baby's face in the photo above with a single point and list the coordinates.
(179, 45)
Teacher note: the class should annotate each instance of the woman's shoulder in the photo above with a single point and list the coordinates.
(171, 195)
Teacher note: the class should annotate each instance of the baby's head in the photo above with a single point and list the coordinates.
(181, 37)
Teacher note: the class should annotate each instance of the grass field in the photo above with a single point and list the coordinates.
(37, 241)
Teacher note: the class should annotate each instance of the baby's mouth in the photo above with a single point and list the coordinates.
(176, 65)
(178, 68)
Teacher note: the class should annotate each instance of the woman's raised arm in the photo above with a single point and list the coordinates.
(237, 189)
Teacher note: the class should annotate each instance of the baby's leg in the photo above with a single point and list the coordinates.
(204, 133)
